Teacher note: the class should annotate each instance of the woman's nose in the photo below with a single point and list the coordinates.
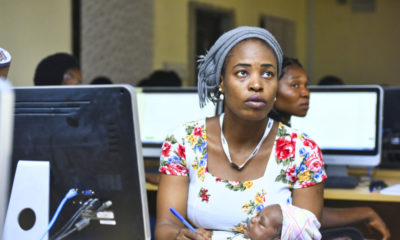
(305, 92)
(255, 84)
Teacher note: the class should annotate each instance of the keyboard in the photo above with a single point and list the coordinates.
(341, 182)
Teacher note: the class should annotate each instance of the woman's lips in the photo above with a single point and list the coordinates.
(256, 102)
(304, 106)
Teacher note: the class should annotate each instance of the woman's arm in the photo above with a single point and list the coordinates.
(336, 217)
(172, 192)
(310, 198)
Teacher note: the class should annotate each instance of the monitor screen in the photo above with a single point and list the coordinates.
(89, 136)
(345, 121)
(6, 126)
(163, 109)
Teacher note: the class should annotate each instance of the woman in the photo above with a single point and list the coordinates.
(58, 69)
(293, 99)
(219, 172)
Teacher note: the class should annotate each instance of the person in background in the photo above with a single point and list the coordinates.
(101, 80)
(161, 78)
(5, 62)
(330, 80)
(58, 69)
(219, 172)
(293, 99)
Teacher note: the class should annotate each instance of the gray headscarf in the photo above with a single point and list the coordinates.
(210, 65)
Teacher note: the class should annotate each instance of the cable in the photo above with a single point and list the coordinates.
(70, 194)
(84, 222)
(87, 205)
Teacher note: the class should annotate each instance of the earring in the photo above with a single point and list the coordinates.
(275, 99)
(221, 94)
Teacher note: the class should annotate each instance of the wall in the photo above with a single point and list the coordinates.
(117, 39)
(171, 25)
(31, 30)
(359, 47)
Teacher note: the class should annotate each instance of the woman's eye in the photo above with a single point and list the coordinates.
(241, 73)
(295, 85)
(267, 74)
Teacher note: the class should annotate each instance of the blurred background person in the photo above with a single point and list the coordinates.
(101, 80)
(58, 69)
(161, 78)
(330, 80)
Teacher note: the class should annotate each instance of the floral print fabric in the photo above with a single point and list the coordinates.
(222, 204)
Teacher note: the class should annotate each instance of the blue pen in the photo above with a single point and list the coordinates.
(179, 216)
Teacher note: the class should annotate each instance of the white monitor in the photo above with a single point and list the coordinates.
(346, 122)
(6, 126)
(162, 109)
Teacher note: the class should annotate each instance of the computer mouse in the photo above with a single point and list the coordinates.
(377, 185)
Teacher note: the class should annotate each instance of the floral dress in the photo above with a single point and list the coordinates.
(224, 205)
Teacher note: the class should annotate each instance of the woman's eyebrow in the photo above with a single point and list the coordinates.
(249, 65)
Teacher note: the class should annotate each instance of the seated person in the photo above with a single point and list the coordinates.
(221, 171)
(101, 80)
(58, 69)
(161, 78)
(292, 99)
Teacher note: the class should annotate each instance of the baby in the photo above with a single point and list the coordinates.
(283, 222)
(275, 222)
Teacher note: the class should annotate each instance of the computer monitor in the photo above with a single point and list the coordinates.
(6, 126)
(162, 109)
(346, 122)
(89, 135)
(391, 128)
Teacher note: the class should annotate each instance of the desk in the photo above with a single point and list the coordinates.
(387, 206)
(361, 192)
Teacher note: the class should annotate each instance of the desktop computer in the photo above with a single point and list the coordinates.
(162, 109)
(83, 139)
(346, 123)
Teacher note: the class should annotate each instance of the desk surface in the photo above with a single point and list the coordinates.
(361, 192)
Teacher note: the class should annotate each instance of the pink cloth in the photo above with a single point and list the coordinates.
(299, 224)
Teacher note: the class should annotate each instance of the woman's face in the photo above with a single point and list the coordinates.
(250, 80)
(293, 95)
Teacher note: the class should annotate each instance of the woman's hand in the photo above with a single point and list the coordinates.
(186, 233)
(375, 222)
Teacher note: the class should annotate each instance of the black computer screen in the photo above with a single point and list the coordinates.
(89, 134)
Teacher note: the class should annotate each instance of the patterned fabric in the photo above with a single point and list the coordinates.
(223, 204)
(299, 224)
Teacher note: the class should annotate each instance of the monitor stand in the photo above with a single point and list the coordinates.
(336, 170)
(28, 209)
